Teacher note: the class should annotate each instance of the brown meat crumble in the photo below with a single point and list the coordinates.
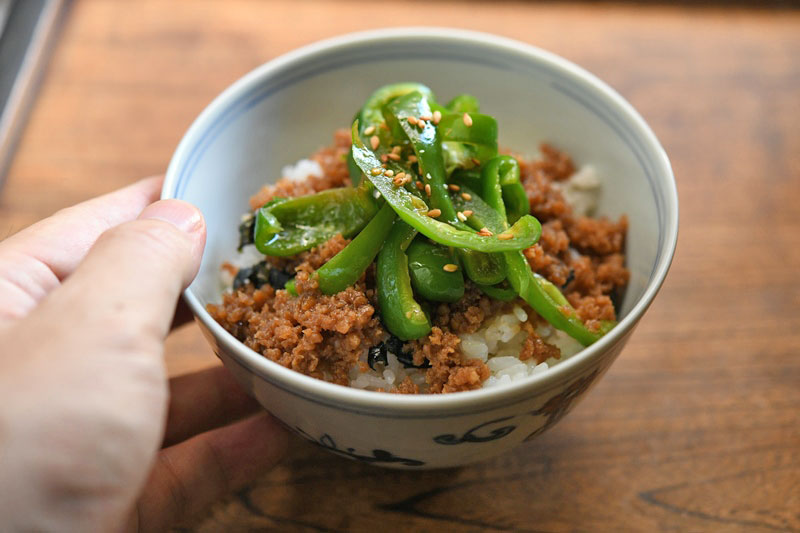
(327, 336)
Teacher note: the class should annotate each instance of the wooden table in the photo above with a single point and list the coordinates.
(696, 427)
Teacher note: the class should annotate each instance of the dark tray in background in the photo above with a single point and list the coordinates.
(27, 32)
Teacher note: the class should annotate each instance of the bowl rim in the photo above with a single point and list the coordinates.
(371, 401)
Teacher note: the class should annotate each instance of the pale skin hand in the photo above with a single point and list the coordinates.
(93, 436)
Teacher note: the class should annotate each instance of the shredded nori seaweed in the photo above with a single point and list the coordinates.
(261, 274)
(247, 231)
(278, 278)
(379, 354)
(570, 277)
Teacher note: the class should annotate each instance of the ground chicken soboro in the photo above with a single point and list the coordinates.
(325, 336)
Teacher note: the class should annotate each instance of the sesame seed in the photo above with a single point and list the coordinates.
(454, 187)
(398, 182)
(425, 117)
(384, 158)
(374, 141)
(383, 126)
(401, 175)
(437, 116)
(384, 166)
(467, 120)
(433, 213)
(428, 176)
(412, 159)
(396, 149)
(370, 130)
(428, 189)
(412, 120)
(393, 157)
(450, 267)
(505, 236)
(468, 212)
(466, 196)
(476, 161)
(461, 216)
(389, 173)
(485, 232)
(375, 171)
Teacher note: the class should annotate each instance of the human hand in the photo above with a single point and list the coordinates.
(86, 299)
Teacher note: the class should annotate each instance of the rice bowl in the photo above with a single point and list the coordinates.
(220, 162)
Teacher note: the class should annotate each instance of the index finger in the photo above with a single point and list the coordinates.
(62, 240)
(34, 261)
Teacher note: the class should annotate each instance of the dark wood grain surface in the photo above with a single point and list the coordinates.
(695, 428)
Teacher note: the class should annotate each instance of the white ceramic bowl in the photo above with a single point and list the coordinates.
(287, 108)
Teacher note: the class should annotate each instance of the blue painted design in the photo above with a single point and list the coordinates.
(378, 456)
(472, 435)
(559, 405)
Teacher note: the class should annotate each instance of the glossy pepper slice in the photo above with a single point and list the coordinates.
(498, 293)
(344, 268)
(371, 113)
(432, 276)
(400, 312)
(463, 103)
(502, 189)
(467, 147)
(540, 294)
(412, 210)
(482, 268)
(288, 227)
(427, 146)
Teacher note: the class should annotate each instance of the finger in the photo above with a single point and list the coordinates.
(204, 400)
(35, 260)
(190, 476)
(123, 295)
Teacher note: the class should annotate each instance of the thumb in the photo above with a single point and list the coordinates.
(129, 282)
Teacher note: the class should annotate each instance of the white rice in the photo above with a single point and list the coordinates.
(581, 190)
(498, 342)
(302, 170)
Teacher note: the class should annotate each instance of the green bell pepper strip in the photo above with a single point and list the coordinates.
(372, 112)
(344, 268)
(467, 147)
(411, 209)
(355, 173)
(291, 226)
(498, 293)
(540, 294)
(463, 103)
(401, 314)
(481, 268)
(291, 287)
(501, 188)
(426, 262)
(426, 145)
(483, 130)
